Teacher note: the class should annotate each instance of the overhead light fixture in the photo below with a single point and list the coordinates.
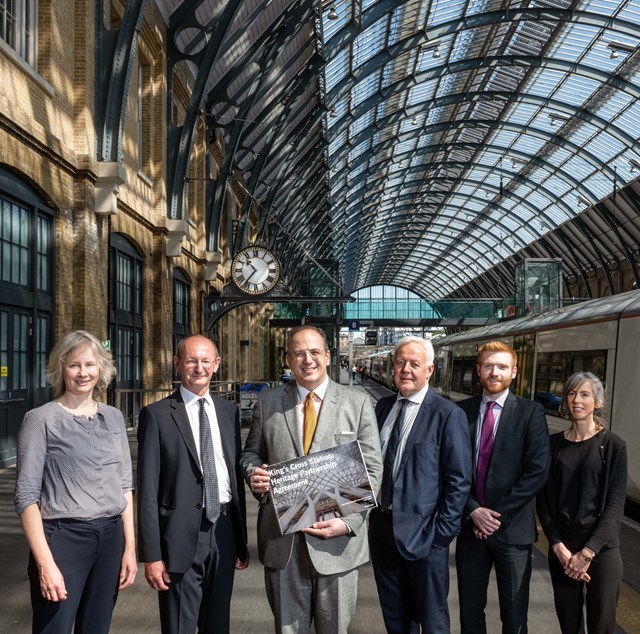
(333, 14)
(332, 112)
(554, 117)
(620, 47)
(433, 46)
(634, 166)
(414, 121)
(583, 201)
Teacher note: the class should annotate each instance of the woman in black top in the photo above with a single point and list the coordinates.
(580, 510)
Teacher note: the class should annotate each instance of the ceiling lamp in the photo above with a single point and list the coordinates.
(432, 46)
(620, 47)
(555, 117)
(333, 113)
(333, 14)
(634, 166)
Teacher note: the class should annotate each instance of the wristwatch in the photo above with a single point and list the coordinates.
(588, 558)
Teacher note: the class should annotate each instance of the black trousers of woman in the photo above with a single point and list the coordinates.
(600, 595)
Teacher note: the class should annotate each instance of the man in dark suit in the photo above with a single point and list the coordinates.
(511, 457)
(191, 502)
(310, 576)
(425, 485)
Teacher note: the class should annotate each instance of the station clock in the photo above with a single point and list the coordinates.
(255, 270)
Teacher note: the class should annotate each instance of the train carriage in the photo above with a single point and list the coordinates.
(600, 336)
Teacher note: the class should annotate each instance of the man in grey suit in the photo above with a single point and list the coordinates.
(310, 576)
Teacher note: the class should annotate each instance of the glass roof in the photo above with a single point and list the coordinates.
(510, 118)
(426, 144)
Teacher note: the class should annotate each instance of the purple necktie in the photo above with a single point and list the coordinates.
(484, 452)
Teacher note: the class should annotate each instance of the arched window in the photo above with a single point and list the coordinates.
(181, 310)
(126, 324)
(181, 307)
(26, 305)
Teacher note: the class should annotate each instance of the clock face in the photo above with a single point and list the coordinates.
(255, 270)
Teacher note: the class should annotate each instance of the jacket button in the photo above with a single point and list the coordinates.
(198, 506)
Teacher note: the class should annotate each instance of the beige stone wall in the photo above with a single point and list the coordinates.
(47, 137)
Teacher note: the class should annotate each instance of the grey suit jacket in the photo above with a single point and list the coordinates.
(275, 436)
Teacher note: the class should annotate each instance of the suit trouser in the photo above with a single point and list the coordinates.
(600, 595)
(201, 597)
(299, 595)
(412, 593)
(474, 560)
(89, 555)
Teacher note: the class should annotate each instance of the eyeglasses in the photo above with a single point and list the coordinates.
(301, 355)
(205, 363)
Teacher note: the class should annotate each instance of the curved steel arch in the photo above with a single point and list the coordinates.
(456, 26)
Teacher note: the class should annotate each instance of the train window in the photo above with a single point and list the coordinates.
(554, 367)
(464, 376)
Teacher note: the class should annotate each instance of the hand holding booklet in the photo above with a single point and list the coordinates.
(320, 486)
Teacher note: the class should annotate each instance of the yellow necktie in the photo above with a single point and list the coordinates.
(310, 421)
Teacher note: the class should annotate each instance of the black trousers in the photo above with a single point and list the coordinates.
(413, 594)
(474, 560)
(89, 555)
(201, 597)
(599, 596)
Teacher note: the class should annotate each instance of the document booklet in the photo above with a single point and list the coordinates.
(320, 486)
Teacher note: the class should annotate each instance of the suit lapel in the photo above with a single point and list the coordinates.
(289, 403)
(418, 429)
(181, 419)
(385, 408)
(506, 415)
(473, 415)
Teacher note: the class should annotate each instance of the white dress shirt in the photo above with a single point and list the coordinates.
(415, 401)
(192, 403)
(318, 397)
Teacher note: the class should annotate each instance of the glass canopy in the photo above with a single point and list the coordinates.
(426, 144)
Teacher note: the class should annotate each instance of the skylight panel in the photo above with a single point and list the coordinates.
(604, 146)
(576, 89)
(337, 69)
(369, 43)
(545, 82)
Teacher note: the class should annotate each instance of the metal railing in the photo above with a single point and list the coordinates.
(243, 393)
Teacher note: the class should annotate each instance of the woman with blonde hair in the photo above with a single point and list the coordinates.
(74, 494)
(580, 510)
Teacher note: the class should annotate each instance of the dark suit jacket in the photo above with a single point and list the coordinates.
(434, 476)
(169, 489)
(517, 468)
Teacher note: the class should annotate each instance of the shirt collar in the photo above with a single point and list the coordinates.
(319, 391)
(499, 399)
(190, 398)
(417, 397)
